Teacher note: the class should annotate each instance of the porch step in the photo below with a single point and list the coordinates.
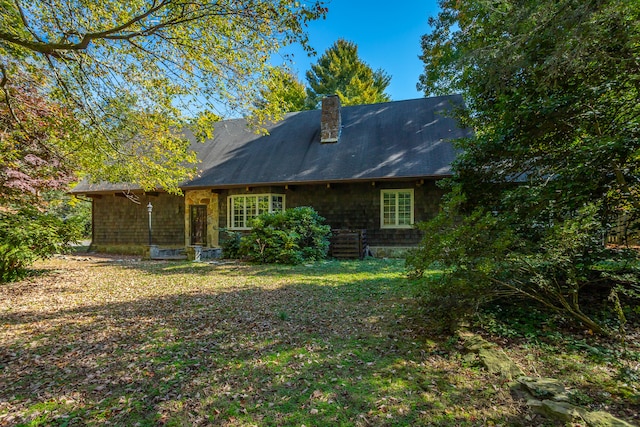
(157, 253)
(198, 253)
(170, 257)
(193, 253)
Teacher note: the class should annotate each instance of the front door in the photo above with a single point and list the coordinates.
(198, 221)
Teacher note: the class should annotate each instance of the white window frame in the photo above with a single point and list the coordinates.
(396, 208)
(230, 203)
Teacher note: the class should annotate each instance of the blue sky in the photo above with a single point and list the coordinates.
(387, 34)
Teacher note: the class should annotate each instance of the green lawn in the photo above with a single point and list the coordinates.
(95, 341)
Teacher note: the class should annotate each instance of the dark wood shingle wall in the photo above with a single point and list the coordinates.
(119, 221)
(354, 206)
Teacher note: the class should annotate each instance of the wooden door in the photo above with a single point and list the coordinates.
(198, 221)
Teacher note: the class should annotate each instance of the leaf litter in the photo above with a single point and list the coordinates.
(103, 341)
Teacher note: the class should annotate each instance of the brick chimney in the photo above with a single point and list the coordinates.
(331, 120)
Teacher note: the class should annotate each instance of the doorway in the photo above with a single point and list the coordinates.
(198, 215)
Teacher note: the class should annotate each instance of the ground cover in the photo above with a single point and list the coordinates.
(104, 341)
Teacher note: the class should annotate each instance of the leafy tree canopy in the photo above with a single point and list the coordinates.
(31, 161)
(340, 71)
(284, 90)
(552, 90)
(125, 73)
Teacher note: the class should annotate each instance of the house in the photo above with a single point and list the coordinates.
(368, 167)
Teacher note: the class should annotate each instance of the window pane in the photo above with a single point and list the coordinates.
(246, 207)
(238, 212)
(276, 204)
(389, 209)
(404, 208)
(263, 204)
(251, 208)
(397, 208)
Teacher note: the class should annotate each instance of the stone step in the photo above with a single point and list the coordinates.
(198, 253)
(193, 253)
(169, 257)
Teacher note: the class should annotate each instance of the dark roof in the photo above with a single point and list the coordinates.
(401, 139)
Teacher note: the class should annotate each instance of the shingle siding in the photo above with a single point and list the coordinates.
(119, 221)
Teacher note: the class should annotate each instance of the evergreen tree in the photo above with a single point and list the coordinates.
(339, 71)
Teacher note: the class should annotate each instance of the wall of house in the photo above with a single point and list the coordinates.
(118, 222)
(120, 225)
(353, 206)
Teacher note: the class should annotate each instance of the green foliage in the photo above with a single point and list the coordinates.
(551, 90)
(290, 237)
(70, 209)
(469, 251)
(99, 90)
(284, 90)
(127, 73)
(231, 244)
(27, 235)
(483, 259)
(339, 71)
(551, 94)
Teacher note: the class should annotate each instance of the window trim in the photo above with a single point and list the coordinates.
(230, 222)
(413, 205)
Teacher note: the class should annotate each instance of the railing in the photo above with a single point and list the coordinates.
(348, 244)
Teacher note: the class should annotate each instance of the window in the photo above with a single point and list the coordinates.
(243, 208)
(396, 208)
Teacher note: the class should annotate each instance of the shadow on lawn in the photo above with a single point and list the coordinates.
(298, 354)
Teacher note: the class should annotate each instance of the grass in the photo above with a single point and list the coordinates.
(99, 341)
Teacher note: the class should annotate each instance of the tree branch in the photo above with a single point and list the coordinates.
(23, 18)
(7, 96)
(118, 32)
(53, 48)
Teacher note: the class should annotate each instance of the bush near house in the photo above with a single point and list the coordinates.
(27, 235)
(231, 244)
(483, 261)
(290, 237)
(70, 209)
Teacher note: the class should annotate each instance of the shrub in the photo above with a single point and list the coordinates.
(483, 257)
(231, 245)
(468, 251)
(27, 235)
(290, 237)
